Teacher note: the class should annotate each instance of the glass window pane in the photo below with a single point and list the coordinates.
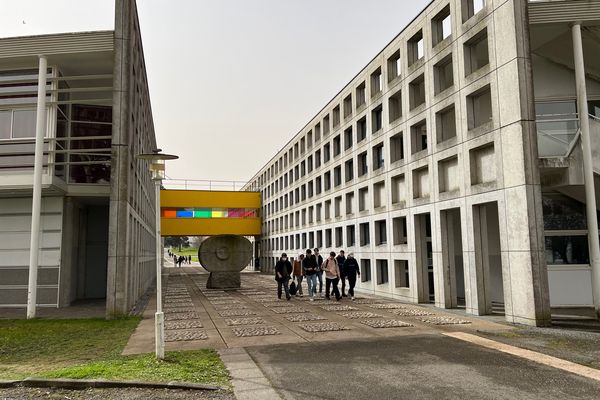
(567, 250)
(24, 123)
(5, 119)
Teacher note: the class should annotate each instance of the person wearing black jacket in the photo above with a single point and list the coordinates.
(341, 259)
(309, 265)
(283, 270)
(319, 261)
(351, 270)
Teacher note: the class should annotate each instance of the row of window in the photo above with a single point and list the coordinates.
(479, 113)
(482, 166)
(476, 56)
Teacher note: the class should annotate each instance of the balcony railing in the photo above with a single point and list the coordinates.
(556, 134)
(211, 185)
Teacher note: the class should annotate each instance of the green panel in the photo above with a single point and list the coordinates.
(203, 213)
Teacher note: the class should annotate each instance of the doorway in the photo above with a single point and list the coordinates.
(93, 251)
(488, 258)
(424, 258)
(452, 253)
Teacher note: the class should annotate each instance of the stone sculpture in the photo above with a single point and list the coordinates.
(224, 256)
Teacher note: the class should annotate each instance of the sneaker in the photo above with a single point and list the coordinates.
(288, 298)
(338, 298)
(311, 299)
(344, 295)
(352, 298)
(327, 297)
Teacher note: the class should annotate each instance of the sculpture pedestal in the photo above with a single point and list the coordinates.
(224, 280)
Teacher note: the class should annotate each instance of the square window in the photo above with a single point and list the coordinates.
(350, 235)
(348, 106)
(382, 272)
(398, 189)
(479, 108)
(337, 176)
(399, 231)
(328, 238)
(365, 239)
(349, 170)
(395, 106)
(327, 180)
(337, 146)
(339, 237)
(349, 203)
(471, 7)
(483, 164)
(348, 138)
(328, 209)
(418, 134)
(361, 129)
(441, 26)
(401, 274)
(379, 196)
(393, 66)
(326, 152)
(361, 97)
(377, 119)
(443, 74)
(421, 185)
(363, 198)
(362, 164)
(397, 147)
(376, 82)
(336, 116)
(337, 206)
(415, 48)
(378, 157)
(448, 176)
(365, 270)
(476, 52)
(326, 125)
(445, 121)
(417, 92)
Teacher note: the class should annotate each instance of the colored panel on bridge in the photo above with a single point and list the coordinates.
(207, 213)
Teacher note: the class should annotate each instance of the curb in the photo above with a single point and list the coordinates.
(79, 384)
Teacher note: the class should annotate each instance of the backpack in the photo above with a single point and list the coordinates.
(293, 289)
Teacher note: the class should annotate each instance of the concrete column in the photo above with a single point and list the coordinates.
(40, 132)
(588, 172)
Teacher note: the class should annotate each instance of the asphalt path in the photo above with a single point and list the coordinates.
(412, 367)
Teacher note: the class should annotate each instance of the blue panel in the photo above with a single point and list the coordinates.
(185, 214)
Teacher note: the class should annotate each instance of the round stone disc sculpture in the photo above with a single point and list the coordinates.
(224, 256)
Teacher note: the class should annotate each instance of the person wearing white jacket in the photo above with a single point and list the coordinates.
(332, 276)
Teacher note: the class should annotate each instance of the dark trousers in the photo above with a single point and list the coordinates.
(334, 282)
(343, 284)
(351, 284)
(285, 283)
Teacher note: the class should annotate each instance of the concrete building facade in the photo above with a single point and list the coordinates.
(430, 167)
(97, 225)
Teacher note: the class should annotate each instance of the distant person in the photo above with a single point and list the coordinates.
(341, 259)
(174, 260)
(257, 264)
(319, 262)
(179, 261)
(352, 270)
(332, 276)
(190, 260)
(283, 270)
(309, 266)
(299, 273)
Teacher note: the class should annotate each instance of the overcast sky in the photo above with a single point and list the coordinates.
(231, 81)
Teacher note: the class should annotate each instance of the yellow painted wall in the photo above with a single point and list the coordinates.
(209, 226)
(205, 198)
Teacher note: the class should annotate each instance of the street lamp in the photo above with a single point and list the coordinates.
(157, 167)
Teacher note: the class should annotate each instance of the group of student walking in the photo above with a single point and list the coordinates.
(312, 266)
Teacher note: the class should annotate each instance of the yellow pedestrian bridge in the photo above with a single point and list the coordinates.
(209, 213)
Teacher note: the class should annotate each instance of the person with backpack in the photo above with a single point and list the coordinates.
(309, 266)
(298, 274)
(352, 270)
(332, 276)
(341, 259)
(283, 270)
(319, 262)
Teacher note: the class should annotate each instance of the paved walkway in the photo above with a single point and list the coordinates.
(197, 317)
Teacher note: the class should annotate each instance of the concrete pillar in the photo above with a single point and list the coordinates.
(588, 171)
(38, 169)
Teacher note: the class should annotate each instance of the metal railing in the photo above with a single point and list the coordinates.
(556, 135)
(199, 184)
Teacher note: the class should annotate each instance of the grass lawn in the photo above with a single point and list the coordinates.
(187, 251)
(91, 348)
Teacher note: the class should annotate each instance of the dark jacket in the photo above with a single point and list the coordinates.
(284, 268)
(309, 265)
(319, 261)
(351, 267)
(341, 260)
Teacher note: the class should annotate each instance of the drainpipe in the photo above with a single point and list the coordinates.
(588, 172)
(40, 132)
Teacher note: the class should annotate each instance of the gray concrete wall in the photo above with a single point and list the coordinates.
(131, 257)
